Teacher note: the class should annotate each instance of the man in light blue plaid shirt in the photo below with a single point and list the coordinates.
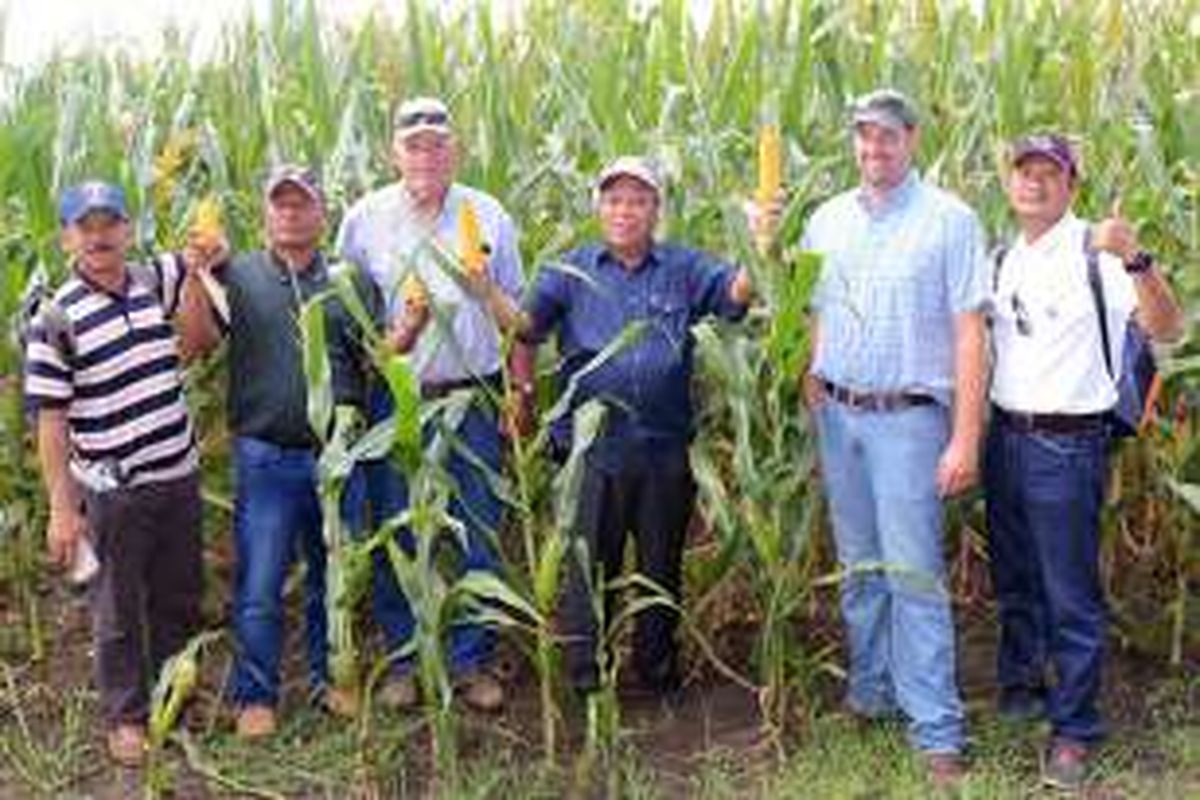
(896, 388)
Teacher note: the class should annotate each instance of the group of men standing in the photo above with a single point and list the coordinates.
(898, 388)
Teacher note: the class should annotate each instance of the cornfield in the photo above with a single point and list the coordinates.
(541, 99)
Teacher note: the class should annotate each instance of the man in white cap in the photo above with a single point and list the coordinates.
(404, 235)
(637, 478)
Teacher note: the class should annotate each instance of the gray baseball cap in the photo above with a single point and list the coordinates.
(886, 107)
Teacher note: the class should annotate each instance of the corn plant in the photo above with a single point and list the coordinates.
(172, 690)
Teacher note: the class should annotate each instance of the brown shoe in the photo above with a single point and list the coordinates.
(480, 691)
(127, 745)
(340, 702)
(399, 693)
(256, 722)
(946, 770)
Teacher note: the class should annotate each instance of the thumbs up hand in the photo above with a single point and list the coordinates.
(1115, 234)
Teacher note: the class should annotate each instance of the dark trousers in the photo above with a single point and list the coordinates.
(1044, 495)
(651, 499)
(146, 600)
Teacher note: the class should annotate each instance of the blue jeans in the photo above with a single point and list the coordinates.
(473, 502)
(277, 516)
(880, 477)
(1044, 496)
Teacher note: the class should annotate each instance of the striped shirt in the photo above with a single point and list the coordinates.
(111, 361)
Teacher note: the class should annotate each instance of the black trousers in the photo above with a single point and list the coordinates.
(146, 600)
(650, 499)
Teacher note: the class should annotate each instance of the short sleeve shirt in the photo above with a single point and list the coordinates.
(1045, 331)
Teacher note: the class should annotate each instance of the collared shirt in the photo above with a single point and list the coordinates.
(383, 234)
(892, 281)
(646, 385)
(113, 364)
(268, 392)
(1045, 332)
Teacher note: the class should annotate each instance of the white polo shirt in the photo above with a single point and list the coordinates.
(1045, 332)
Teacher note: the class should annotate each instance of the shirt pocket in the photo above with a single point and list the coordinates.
(669, 319)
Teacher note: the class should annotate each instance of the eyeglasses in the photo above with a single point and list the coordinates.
(415, 118)
(1024, 325)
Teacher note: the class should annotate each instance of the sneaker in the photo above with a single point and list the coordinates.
(946, 770)
(1066, 765)
(480, 691)
(256, 722)
(127, 745)
(399, 693)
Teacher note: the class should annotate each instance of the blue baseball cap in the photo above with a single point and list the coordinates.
(79, 201)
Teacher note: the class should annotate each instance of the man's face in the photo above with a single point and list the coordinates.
(628, 213)
(295, 219)
(426, 161)
(1040, 190)
(884, 154)
(98, 243)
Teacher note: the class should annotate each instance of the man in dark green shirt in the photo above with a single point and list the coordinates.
(276, 508)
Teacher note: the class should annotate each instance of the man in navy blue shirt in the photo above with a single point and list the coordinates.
(637, 477)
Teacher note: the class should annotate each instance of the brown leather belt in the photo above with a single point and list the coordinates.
(436, 389)
(1049, 423)
(876, 401)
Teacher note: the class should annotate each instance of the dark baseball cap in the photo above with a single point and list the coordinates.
(302, 178)
(886, 107)
(91, 196)
(1052, 146)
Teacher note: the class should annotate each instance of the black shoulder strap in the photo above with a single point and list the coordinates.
(1097, 284)
(997, 260)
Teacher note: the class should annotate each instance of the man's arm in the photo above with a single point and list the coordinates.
(958, 467)
(811, 386)
(195, 318)
(1157, 309)
(67, 522)
(741, 289)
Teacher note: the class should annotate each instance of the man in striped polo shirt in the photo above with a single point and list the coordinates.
(117, 450)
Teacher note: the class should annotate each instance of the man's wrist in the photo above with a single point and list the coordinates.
(1139, 263)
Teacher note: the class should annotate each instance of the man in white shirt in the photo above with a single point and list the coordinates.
(1046, 459)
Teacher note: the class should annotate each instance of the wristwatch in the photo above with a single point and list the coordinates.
(1141, 262)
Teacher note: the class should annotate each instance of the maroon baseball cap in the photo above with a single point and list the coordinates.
(1052, 146)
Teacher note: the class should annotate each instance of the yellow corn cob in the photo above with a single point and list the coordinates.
(206, 224)
(770, 163)
(770, 175)
(413, 291)
(470, 240)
